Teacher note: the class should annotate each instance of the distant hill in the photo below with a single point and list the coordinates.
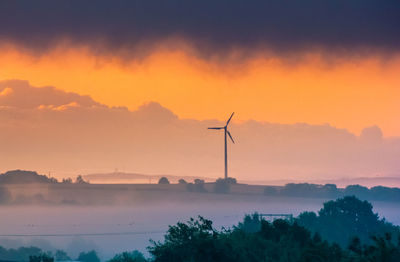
(24, 177)
(127, 178)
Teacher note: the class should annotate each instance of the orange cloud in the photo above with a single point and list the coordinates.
(349, 93)
(73, 137)
(6, 91)
(59, 108)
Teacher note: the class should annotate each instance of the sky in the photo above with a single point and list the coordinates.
(299, 75)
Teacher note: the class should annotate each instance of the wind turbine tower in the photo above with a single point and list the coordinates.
(226, 131)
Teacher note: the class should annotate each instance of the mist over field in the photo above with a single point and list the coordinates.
(76, 216)
(81, 228)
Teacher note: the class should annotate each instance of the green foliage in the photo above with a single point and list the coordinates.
(90, 256)
(250, 224)
(41, 258)
(382, 249)
(341, 220)
(134, 256)
(20, 254)
(255, 239)
(61, 255)
(197, 240)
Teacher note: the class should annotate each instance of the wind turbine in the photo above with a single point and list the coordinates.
(226, 131)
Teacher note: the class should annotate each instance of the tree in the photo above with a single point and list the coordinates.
(61, 255)
(186, 242)
(90, 256)
(198, 240)
(308, 220)
(182, 181)
(80, 180)
(198, 181)
(198, 186)
(41, 258)
(231, 180)
(20, 254)
(67, 180)
(358, 191)
(341, 220)
(134, 256)
(163, 181)
(250, 224)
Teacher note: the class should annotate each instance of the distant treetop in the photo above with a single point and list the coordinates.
(163, 181)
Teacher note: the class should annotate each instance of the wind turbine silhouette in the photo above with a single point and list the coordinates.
(226, 131)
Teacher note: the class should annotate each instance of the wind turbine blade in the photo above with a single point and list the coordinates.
(216, 128)
(230, 136)
(229, 120)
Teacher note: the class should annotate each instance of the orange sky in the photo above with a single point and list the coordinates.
(349, 93)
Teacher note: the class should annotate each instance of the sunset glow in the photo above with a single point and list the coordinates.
(350, 93)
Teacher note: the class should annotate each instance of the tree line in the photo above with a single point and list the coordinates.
(380, 193)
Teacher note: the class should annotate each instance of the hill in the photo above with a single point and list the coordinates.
(24, 177)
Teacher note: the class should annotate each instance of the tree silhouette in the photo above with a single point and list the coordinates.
(163, 181)
(134, 256)
(80, 180)
(341, 220)
(41, 258)
(182, 181)
(90, 256)
(61, 255)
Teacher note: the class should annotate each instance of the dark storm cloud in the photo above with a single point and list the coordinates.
(212, 27)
